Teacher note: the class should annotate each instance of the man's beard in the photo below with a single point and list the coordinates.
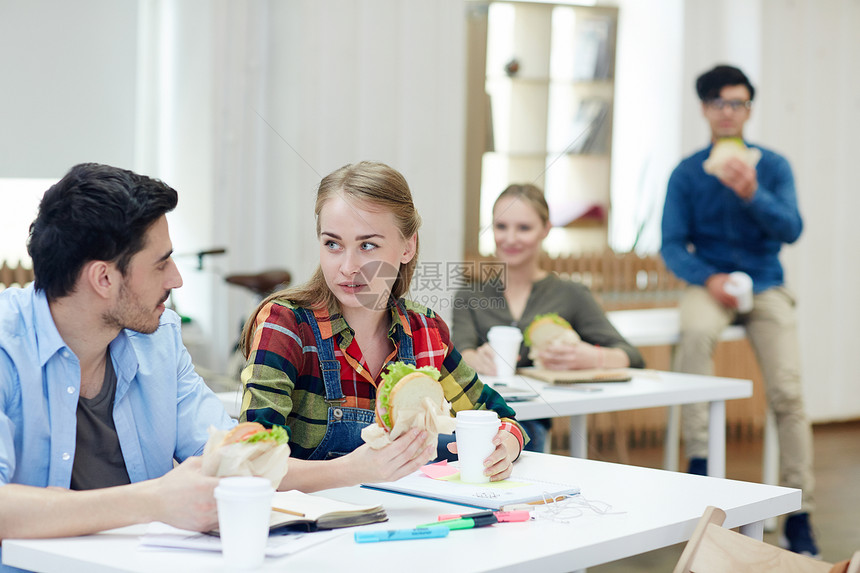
(130, 315)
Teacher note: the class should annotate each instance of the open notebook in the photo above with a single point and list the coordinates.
(493, 495)
(319, 512)
(297, 511)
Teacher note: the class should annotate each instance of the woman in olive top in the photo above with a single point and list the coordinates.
(520, 224)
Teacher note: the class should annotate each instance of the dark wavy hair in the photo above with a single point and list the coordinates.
(94, 213)
(709, 84)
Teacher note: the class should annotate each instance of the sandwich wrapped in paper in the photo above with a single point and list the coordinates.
(726, 148)
(407, 398)
(248, 449)
(546, 331)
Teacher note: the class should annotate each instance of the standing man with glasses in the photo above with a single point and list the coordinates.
(737, 220)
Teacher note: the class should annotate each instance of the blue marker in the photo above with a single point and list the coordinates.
(398, 534)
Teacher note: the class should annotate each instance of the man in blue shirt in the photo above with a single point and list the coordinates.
(737, 221)
(98, 395)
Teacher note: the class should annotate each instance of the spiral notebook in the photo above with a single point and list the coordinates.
(493, 495)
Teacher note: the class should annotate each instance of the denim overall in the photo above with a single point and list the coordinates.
(343, 430)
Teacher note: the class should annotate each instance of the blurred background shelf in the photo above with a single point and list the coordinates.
(541, 96)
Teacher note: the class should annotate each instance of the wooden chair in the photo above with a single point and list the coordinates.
(714, 549)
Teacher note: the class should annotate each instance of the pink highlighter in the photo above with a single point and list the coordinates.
(501, 516)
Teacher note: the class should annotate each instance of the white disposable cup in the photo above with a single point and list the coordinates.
(244, 509)
(740, 286)
(475, 432)
(505, 342)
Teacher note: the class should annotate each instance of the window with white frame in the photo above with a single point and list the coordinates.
(20, 202)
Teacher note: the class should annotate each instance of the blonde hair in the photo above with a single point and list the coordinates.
(531, 194)
(369, 183)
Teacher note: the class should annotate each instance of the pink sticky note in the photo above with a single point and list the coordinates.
(439, 470)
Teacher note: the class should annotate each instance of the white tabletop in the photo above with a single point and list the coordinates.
(648, 388)
(658, 509)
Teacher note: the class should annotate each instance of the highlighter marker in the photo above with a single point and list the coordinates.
(400, 534)
(465, 522)
(501, 516)
(449, 516)
(513, 516)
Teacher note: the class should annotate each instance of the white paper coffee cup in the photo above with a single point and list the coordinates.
(244, 509)
(475, 432)
(740, 286)
(505, 342)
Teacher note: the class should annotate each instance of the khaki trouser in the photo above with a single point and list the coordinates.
(772, 330)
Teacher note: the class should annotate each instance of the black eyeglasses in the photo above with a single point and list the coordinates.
(733, 104)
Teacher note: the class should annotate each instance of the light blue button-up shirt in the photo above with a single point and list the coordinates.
(162, 408)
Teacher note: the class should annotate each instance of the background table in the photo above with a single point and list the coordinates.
(657, 508)
(662, 326)
(648, 388)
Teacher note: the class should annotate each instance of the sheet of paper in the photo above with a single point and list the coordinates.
(161, 535)
(439, 470)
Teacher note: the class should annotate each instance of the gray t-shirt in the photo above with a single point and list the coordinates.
(478, 308)
(98, 457)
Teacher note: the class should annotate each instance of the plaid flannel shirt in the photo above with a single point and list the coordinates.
(283, 382)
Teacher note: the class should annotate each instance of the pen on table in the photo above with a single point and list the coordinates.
(287, 511)
(501, 516)
(401, 534)
(465, 522)
(532, 504)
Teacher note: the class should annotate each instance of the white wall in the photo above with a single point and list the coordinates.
(244, 105)
(302, 88)
(68, 85)
(174, 141)
(347, 81)
(647, 126)
(801, 56)
(810, 110)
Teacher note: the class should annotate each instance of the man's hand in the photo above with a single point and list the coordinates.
(716, 285)
(740, 178)
(185, 498)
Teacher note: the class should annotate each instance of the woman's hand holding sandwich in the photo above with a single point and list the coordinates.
(582, 355)
(404, 455)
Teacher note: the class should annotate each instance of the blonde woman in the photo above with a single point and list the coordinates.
(351, 317)
(520, 224)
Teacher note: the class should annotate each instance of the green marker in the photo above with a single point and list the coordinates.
(465, 522)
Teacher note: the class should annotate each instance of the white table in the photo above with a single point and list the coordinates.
(662, 327)
(659, 508)
(648, 388)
